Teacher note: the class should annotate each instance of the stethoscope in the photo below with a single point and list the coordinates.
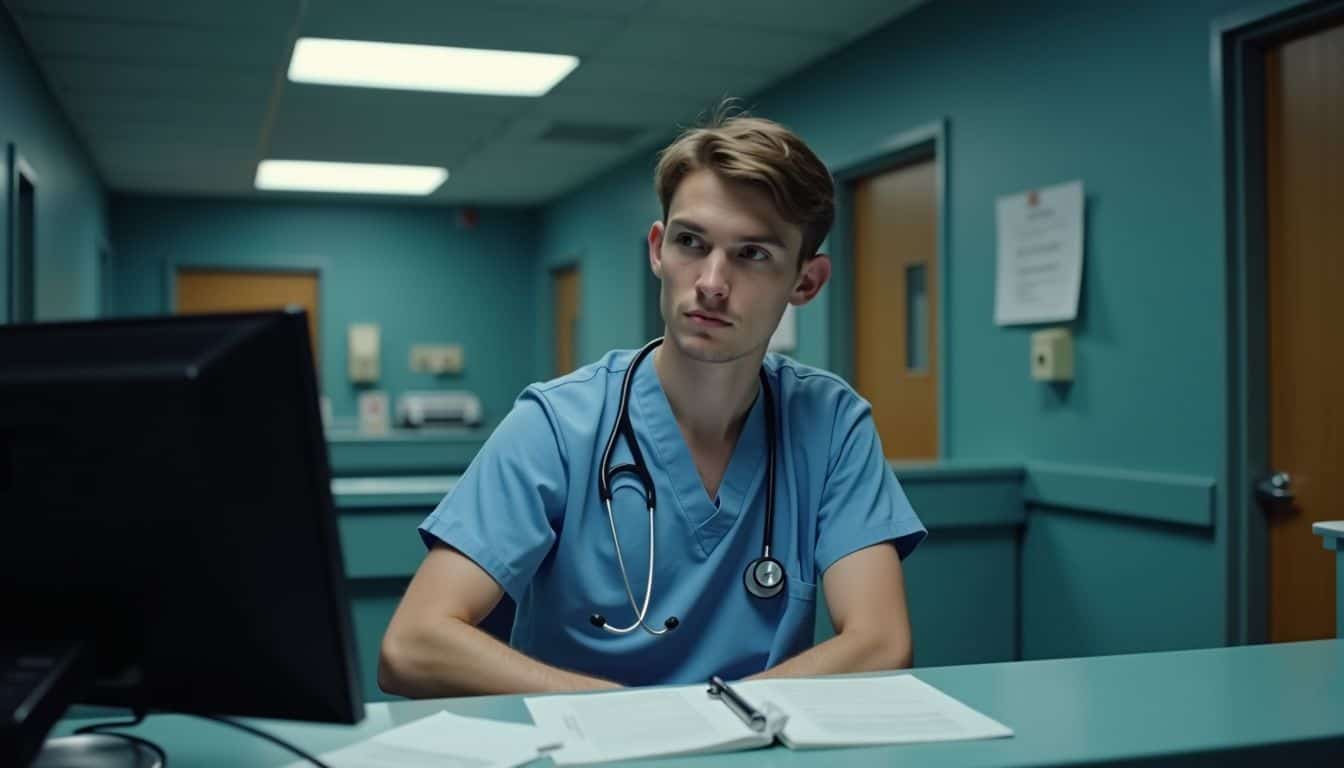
(764, 577)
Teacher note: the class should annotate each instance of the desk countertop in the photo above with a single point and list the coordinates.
(1330, 529)
(1242, 705)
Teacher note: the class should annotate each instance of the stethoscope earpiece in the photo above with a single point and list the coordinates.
(764, 577)
(600, 621)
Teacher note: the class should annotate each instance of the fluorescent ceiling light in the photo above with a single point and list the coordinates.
(426, 67)
(369, 178)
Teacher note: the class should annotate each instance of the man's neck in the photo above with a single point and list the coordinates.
(709, 400)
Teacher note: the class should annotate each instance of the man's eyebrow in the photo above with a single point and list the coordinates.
(767, 239)
(686, 224)
(763, 239)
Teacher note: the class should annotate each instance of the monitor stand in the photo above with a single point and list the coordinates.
(37, 686)
(94, 750)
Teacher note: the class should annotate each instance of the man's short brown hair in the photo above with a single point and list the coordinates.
(762, 153)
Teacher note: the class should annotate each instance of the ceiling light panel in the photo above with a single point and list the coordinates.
(402, 66)
(363, 178)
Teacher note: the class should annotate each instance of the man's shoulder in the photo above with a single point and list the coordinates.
(592, 376)
(570, 407)
(814, 398)
(579, 395)
(799, 380)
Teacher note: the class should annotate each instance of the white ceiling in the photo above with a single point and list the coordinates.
(184, 97)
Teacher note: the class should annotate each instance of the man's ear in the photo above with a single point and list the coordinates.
(656, 233)
(813, 275)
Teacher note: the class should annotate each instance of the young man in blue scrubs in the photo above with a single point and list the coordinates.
(746, 207)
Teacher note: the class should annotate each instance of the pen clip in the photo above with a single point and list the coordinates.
(748, 714)
(715, 686)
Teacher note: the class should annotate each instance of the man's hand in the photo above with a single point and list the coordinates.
(865, 592)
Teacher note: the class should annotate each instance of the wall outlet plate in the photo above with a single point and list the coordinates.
(1052, 355)
(436, 358)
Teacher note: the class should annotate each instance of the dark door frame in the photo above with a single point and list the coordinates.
(926, 142)
(19, 171)
(1238, 47)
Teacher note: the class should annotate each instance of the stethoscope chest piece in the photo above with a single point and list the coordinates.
(764, 577)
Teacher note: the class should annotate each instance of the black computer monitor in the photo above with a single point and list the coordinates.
(166, 521)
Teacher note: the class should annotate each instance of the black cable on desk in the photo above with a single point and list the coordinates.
(138, 717)
(262, 734)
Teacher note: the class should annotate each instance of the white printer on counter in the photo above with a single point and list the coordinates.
(438, 409)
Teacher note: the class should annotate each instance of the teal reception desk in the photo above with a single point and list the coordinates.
(1333, 535)
(1252, 705)
(1230, 706)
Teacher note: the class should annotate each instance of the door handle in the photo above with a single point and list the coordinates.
(1275, 490)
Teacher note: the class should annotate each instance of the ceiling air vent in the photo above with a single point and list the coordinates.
(591, 133)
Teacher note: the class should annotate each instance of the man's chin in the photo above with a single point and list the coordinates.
(707, 348)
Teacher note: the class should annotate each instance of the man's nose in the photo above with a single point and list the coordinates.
(713, 282)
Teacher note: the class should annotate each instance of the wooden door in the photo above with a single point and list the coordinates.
(204, 291)
(566, 290)
(1304, 124)
(896, 304)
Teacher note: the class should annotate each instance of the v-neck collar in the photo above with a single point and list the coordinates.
(658, 433)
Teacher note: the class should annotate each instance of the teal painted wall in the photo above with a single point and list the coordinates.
(1036, 93)
(71, 219)
(412, 270)
(601, 229)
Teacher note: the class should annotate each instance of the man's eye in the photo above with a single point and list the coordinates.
(687, 240)
(755, 254)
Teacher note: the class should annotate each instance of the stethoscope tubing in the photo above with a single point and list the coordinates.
(623, 428)
(642, 613)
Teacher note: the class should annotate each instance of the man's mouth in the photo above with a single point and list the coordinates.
(705, 320)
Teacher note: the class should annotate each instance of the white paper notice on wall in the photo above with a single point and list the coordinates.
(374, 413)
(1040, 262)
(785, 337)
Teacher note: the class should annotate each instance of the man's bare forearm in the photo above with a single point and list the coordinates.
(453, 658)
(846, 652)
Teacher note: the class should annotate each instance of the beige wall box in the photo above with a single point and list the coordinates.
(363, 353)
(1052, 355)
(436, 358)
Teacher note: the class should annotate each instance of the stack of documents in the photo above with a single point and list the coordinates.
(445, 740)
(803, 714)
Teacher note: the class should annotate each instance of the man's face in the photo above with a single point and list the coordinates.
(729, 265)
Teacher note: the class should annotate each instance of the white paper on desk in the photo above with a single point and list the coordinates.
(891, 709)
(622, 725)
(444, 740)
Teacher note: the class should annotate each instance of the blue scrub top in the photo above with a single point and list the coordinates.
(527, 511)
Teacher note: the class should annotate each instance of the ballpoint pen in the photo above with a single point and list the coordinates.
(753, 718)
